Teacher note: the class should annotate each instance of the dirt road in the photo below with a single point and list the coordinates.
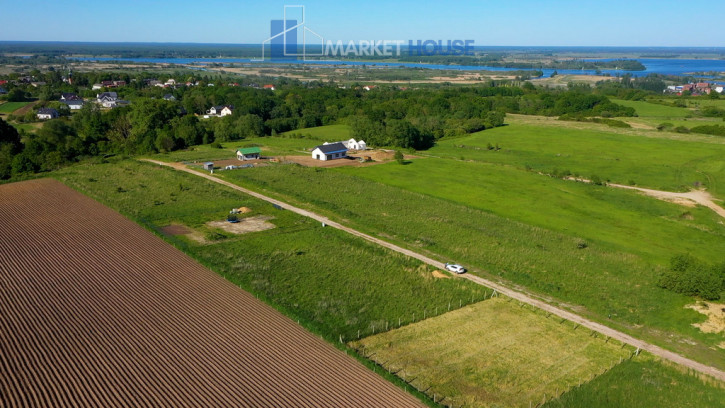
(697, 197)
(658, 351)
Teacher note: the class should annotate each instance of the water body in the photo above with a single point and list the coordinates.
(681, 67)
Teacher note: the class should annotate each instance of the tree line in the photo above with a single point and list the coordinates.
(384, 116)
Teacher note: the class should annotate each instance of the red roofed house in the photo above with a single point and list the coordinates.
(270, 87)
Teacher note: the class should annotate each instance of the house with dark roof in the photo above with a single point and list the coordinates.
(64, 97)
(107, 99)
(329, 151)
(249, 153)
(221, 110)
(75, 104)
(3, 91)
(169, 97)
(47, 113)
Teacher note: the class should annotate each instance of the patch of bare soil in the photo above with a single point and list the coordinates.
(353, 159)
(175, 229)
(715, 313)
(245, 225)
(440, 275)
(178, 229)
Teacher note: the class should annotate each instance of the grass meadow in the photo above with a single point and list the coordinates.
(600, 280)
(657, 163)
(10, 107)
(335, 284)
(494, 354)
(644, 383)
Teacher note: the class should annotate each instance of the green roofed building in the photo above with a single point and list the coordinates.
(249, 153)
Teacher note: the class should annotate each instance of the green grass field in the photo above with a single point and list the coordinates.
(330, 133)
(620, 220)
(653, 114)
(657, 163)
(643, 383)
(332, 282)
(494, 354)
(603, 278)
(10, 107)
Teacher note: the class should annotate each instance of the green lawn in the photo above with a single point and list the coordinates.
(494, 354)
(334, 283)
(607, 278)
(644, 384)
(330, 133)
(657, 163)
(10, 107)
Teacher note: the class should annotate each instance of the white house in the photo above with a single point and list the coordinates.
(355, 145)
(97, 87)
(719, 89)
(107, 99)
(249, 153)
(170, 82)
(74, 104)
(221, 110)
(47, 113)
(330, 151)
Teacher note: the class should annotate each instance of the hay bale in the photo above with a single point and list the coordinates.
(245, 210)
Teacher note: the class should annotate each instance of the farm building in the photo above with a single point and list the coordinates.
(47, 113)
(209, 166)
(330, 151)
(249, 153)
(352, 144)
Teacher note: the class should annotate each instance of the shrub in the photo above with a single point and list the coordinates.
(399, 157)
(690, 277)
(596, 180)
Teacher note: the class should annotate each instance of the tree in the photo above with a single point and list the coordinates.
(16, 95)
(399, 157)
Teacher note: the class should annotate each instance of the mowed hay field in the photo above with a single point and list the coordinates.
(97, 311)
(495, 353)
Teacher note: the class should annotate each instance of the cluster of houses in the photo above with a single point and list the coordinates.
(337, 150)
(109, 84)
(219, 111)
(700, 88)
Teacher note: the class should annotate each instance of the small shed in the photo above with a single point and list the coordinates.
(209, 166)
(249, 153)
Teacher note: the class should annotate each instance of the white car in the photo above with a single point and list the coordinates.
(455, 268)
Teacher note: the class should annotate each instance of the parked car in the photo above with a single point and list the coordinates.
(455, 268)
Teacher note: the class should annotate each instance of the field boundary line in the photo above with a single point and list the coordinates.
(602, 329)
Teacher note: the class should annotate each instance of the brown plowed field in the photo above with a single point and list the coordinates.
(97, 311)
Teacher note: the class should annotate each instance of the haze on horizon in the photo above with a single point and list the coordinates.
(635, 23)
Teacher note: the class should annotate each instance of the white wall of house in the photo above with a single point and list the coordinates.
(225, 112)
(317, 154)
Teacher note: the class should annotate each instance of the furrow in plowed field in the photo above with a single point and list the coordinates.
(97, 311)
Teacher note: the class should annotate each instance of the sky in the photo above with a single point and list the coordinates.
(639, 23)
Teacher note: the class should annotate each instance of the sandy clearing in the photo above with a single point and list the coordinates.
(245, 225)
(715, 313)
(700, 197)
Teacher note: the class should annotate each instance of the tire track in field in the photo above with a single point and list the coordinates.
(522, 297)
